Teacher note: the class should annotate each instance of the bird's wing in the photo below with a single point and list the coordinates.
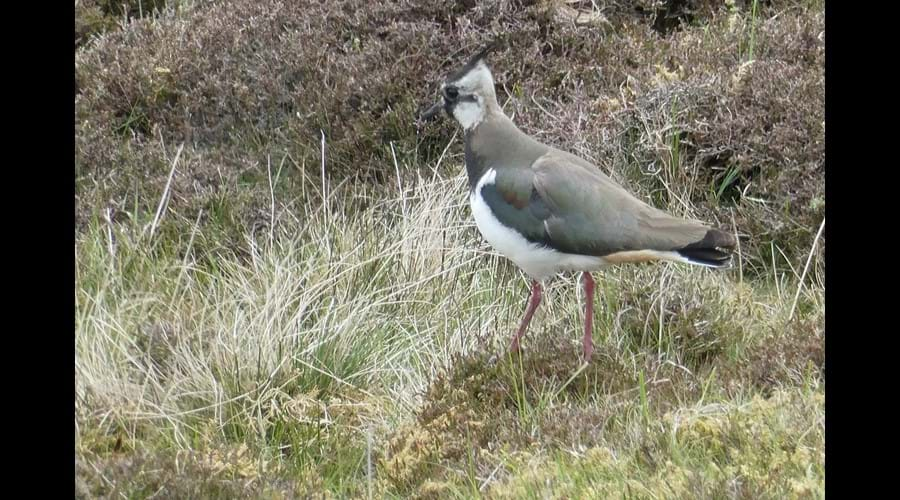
(566, 203)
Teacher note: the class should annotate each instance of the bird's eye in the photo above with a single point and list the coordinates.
(451, 92)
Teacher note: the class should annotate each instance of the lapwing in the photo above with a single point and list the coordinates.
(549, 211)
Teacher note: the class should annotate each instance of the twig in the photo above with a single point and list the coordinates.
(324, 186)
(272, 199)
(399, 181)
(444, 152)
(740, 255)
(165, 195)
(110, 243)
(190, 247)
(533, 100)
(369, 475)
(812, 250)
(493, 473)
(775, 270)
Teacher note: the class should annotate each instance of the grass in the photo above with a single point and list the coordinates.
(297, 303)
(754, 18)
(338, 326)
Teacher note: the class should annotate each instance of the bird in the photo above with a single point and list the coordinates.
(550, 211)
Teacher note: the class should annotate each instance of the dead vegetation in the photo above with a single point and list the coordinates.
(280, 334)
(689, 109)
(483, 410)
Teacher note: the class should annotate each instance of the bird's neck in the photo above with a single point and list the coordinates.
(495, 142)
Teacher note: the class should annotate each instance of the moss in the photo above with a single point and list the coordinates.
(512, 403)
(663, 97)
(771, 448)
(213, 473)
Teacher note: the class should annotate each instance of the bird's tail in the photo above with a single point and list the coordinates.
(714, 250)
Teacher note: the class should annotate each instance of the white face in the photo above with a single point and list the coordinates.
(469, 114)
(473, 88)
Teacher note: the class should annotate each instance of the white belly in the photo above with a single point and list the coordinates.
(537, 261)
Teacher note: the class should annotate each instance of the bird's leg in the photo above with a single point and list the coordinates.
(588, 315)
(533, 303)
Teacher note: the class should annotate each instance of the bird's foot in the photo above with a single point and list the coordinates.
(588, 351)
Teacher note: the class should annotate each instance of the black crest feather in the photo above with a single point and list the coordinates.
(477, 58)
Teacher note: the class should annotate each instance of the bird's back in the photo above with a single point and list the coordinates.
(565, 202)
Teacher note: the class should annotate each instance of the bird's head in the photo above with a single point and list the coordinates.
(467, 93)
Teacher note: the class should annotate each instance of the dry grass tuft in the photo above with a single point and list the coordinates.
(257, 320)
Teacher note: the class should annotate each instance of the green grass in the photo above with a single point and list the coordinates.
(754, 19)
(273, 338)
(748, 44)
(299, 347)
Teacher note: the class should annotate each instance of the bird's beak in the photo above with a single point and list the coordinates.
(433, 111)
